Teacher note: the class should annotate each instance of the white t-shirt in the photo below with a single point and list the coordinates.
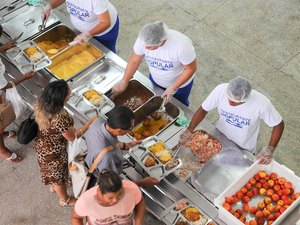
(241, 123)
(167, 62)
(83, 14)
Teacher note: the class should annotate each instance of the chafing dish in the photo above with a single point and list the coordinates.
(134, 96)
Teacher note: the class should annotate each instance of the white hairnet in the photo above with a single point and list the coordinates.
(153, 33)
(239, 89)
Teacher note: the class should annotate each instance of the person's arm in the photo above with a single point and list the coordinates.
(56, 3)
(187, 73)
(26, 76)
(104, 23)
(132, 66)
(139, 210)
(276, 134)
(197, 118)
(76, 219)
(70, 133)
(7, 46)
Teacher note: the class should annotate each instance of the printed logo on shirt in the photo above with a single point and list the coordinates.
(116, 220)
(235, 120)
(77, 11)
(158, 63)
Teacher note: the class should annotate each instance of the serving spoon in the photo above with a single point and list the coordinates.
(54, 51)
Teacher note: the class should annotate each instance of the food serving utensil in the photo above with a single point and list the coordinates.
(18, 37)
(176, 148)
(54, 51)
(14, 4)
(43, 25)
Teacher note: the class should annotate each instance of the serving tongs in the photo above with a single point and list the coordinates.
(42, 26)
(162, 109)
(176, 150)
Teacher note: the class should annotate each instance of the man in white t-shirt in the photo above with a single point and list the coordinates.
(171, 58)
(98, 18)
(240, 109)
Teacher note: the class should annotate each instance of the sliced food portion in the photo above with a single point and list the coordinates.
(150, 161)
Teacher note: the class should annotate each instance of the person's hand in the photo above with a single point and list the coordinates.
(266, 155)
(118, 88)
(184, 137)
(29, 75)
(129, 145)
(83, 37)
(8, 45)
(168, 94)
(148, 182)
(46, 12)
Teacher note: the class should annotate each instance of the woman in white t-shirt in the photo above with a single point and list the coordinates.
(93, 18)
(171, 58)
(240, 109)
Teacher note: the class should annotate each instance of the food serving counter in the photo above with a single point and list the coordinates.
(199, 186)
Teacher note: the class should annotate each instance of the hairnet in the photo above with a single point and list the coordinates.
(153, 33)
(239, 89)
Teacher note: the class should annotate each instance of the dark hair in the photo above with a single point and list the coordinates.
(120, 117)
(109, 181)
(53, 97)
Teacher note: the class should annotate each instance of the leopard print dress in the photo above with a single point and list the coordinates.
(51, 148)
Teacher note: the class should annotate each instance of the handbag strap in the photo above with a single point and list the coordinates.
(101, 153)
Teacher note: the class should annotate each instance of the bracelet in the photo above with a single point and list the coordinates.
(124, 146)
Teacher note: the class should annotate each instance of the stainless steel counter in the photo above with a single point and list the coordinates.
(170, 189)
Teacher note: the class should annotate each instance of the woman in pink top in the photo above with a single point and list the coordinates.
(112, 201)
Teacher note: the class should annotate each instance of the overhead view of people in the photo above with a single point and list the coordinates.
(55, 130)
(102, 133)
(93, 18)
(240, 110)
(171, 58)
(111, 201)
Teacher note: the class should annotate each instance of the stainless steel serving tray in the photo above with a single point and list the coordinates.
(55, 34)
(171, 216)
(151, 106)
(140, 153)
(218, 173)
(26, 19)
(24, 62)
(85, 108)
(5, 10)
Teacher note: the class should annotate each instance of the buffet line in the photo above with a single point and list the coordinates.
(193, 187)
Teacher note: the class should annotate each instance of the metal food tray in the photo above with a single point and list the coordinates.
(61, 58)
(191, 161)
(86, 108)
(23, 62)
(141, 152)
(151, 106)
(135, 95)
(170, 216)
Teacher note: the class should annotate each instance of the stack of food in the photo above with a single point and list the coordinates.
(94, 97)
(204, 145)
(160, 151)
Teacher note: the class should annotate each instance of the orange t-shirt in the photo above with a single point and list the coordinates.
(122, 213)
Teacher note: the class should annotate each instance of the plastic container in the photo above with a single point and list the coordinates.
(281, 170)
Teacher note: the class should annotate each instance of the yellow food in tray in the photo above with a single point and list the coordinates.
(33, 53)
(157, 147)
(47, 45)
(93, 97)
(191, 214)
(165, 157)
(73, 65)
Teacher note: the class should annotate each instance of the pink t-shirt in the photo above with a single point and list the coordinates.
(122, 213)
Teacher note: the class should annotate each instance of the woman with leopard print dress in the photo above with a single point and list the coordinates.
(55, 130)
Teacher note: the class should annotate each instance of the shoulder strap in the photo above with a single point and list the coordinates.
(97, 160)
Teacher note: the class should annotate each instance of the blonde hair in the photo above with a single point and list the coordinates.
(45, 119)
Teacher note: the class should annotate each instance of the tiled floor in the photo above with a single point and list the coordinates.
(256, 39)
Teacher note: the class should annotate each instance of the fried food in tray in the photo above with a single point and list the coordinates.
(193, 215)
(152, 127)
(150, 161)
(181, 222)
(94, 97)
(203, 144)
(33, 53)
